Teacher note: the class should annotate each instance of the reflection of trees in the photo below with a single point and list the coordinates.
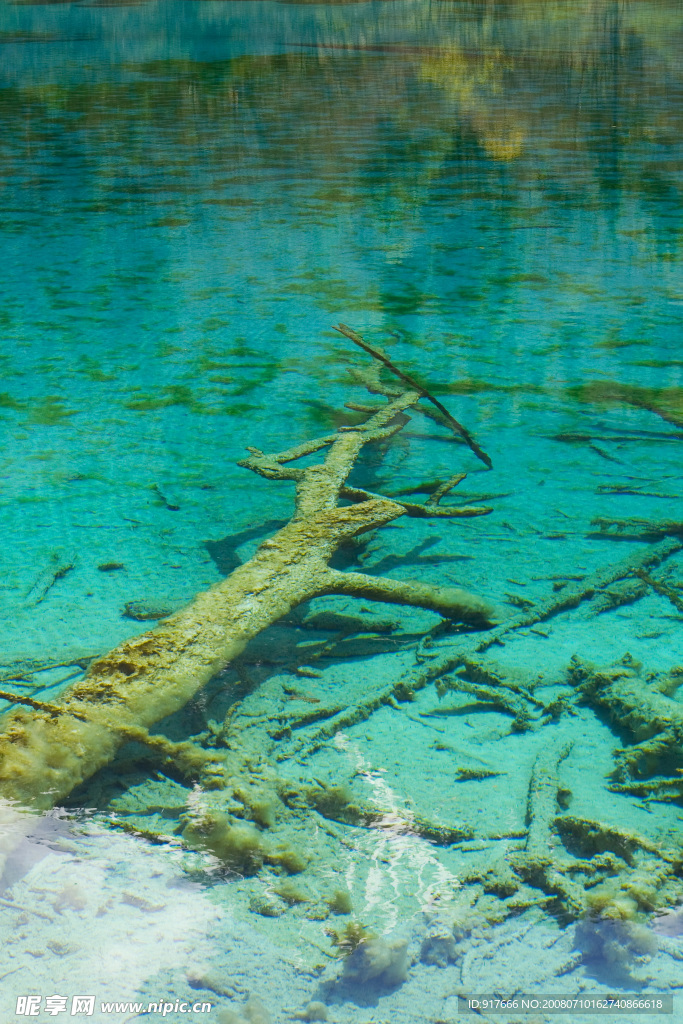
(559, 92)
(499, 71)
(505, 71)
(476, 88)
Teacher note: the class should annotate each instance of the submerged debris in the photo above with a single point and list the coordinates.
(59, 566)
(43, 756)
(642, 706)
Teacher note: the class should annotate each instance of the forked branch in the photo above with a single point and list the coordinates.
(45, 754)
(423, 393)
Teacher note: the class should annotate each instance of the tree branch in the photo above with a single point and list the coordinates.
(382, 358)
(451, 602)
(428, 511)
(45, 752)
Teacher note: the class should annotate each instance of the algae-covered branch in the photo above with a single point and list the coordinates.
(46, 751)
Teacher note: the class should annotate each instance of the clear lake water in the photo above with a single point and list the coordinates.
(193, 193)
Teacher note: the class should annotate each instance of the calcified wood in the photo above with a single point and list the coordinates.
(47, 752)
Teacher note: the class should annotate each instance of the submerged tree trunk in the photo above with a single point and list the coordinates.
(47, 752)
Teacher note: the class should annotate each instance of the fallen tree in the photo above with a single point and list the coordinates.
(45, 752)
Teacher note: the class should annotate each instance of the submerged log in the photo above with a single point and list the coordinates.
(45, 753)
(641, 704)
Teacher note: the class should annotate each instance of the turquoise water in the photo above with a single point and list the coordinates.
(192, 195)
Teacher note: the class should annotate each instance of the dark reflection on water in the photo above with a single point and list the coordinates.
(496, 175)
(496, 179)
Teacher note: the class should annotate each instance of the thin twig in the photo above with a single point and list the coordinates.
(39, 705)
(660, 588)
(428, 511)
(376, 354)
(443, 490)
(26, 910)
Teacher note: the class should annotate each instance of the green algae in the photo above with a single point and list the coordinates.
(503, 280)
(165, 349)
(325, 417)
(666, 402)
(658, 364)
(49, 412)
(182, 396)
(291, 893)
(613, 340)
(214, 323)
(171, 222)
(340, 902)
(7, 402)
(269, 374)
(28, 36)
(351, 936)
(172, 394)
(206, 363)
(240, 348)
(409, 301)
(239, 409)
(330, 293)
(91, 369)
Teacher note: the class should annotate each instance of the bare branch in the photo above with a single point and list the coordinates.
(266, 466)
(453, 423)
(451, 602)
(306, 448)
(47, 750)
(416, 511)
(443, 490)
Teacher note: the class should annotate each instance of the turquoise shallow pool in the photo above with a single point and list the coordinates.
(412, 808)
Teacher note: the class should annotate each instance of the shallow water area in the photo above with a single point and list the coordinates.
(412, 809)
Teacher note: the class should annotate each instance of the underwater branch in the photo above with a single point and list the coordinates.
(47, 751)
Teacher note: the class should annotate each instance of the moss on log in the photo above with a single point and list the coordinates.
(46, 752)
(641, 705)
